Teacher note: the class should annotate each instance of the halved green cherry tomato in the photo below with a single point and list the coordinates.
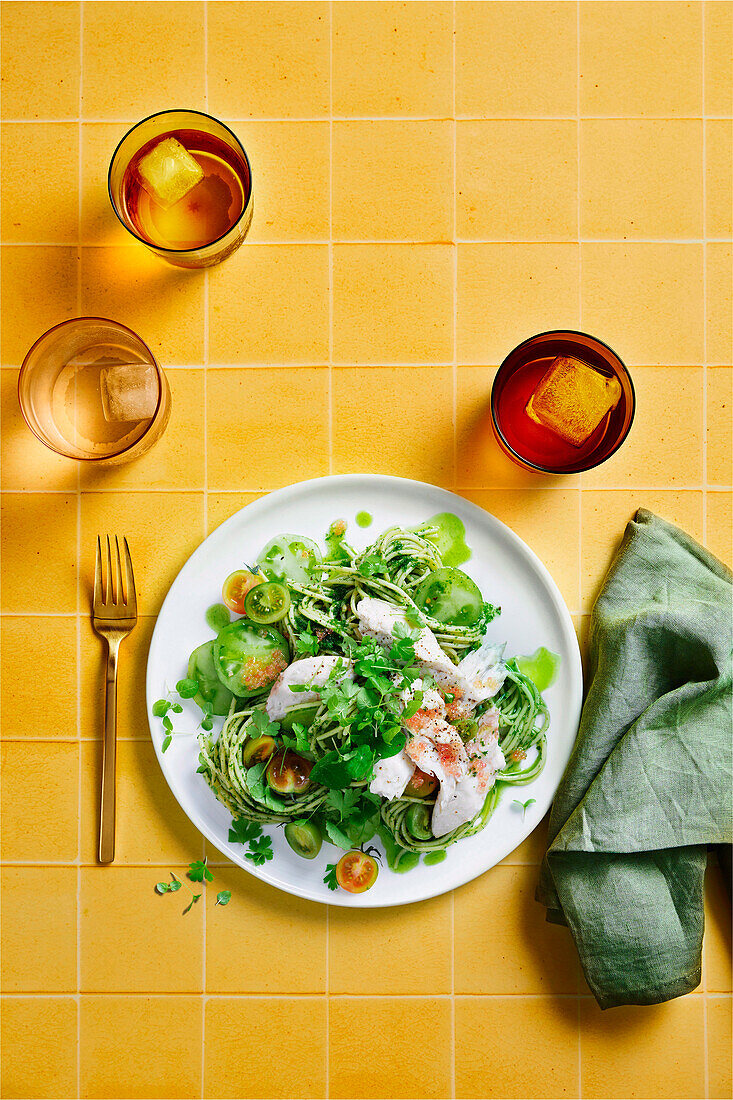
(305, 839)
(289, 773)
(258, 750)
(450, 596)
(421, 785)
(356, 872)
(418, 821)
(249, 658)
(291, 557)
(236, 587)
(202, 669)
(267, 603)
(304, 715)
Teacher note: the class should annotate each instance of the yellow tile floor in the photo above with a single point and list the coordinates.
(433, 182)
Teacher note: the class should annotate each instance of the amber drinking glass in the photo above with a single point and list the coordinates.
(91, 389)
(211, 219)
(532, 444)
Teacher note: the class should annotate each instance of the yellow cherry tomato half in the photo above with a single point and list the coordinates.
(236, 587)
(356, 872)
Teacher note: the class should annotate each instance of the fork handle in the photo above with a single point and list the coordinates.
(109, 759)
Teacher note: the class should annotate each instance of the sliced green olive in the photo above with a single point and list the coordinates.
(258, 749)
(304, 838)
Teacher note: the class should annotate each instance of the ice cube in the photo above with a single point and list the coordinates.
(572, 399)
(168, 172)
(129, 391)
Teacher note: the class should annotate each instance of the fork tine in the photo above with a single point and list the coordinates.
(130, 579)
(98, 599)
(109, 595)
(121, 599)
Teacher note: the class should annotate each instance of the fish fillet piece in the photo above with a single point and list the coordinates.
(313, 671)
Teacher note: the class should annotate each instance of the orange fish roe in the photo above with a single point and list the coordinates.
(421, 719)
(262, 672)
(518, 754)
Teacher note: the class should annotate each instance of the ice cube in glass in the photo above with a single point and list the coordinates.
(572, 398)
(129, 392)
(168, 172)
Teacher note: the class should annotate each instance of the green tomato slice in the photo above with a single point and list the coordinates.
(267, 603)
(248, 657)
(304, 838)
(291, 557)
(212, 694)
(451, 597)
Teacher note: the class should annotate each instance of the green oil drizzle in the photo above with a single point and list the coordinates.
(541, 666)
(364, 519)
(217, 617)
(450, 538)
(434, 857)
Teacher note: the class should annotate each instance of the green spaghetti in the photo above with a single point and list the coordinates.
(361, 700)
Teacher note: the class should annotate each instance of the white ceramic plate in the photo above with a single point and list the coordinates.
(507, 572)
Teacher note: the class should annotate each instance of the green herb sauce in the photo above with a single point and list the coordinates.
(541, 666)
(364, 519)
(217, 617)
(434, 857)
(450, 538)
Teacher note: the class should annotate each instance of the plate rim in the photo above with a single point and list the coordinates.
(359, 479)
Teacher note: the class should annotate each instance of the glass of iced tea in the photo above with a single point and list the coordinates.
(181, 183)
(562, 402)
(91, 389)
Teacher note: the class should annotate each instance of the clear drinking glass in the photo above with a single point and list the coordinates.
(212, 218)
(91, 389)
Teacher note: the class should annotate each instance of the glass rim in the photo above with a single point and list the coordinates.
(560, 332)
(142, 240)
(25, 366)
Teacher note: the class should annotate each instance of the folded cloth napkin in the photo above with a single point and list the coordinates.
(648, 785)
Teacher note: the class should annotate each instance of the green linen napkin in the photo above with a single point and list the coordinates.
(648, 785)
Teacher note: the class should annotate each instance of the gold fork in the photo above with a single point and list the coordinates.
(115, 614)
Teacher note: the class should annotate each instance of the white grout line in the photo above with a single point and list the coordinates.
(78, 581)
(455, 479)
(363, 242)
(253, 120)
(206, 531)
(580, 478)
(706, 1060)
(327, 961)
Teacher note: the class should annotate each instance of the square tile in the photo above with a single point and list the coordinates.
(37, 204)
(268, 63)
(162, 304)
(604, 515)
(290, 172)
(661, 1044)
(38, 553)
(25, 711)
(273, 444)
(718, 171)
(162, 950)
(406, 934)
(392, 303)
(38, 291)
(162, 530)
(39, 941)
(26, 463)
(628, 53)
(517, 950)
(238, 928)
(539, 516)
(393, 58)
(269, 304)
(718, 50)
(277, 1071)
(532, 850)
(99, 223)
(720, 526)
(221, 506)
(719, 268)
(151, 826)
(132, 715)
(40, 59)
(507, 292)
(720, 425)
(373, 433)
(717, 944)
(540, 158)
(658, 192)
(35, 1027)
(45, 827)
(134, 1058)
(480, 461)
(664, 446)
(177, 459)
(391, 1070)
(645, 300)
(550, 1025)
(719, 1047)
(131, 72)
(393, 180)
(503, 65)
